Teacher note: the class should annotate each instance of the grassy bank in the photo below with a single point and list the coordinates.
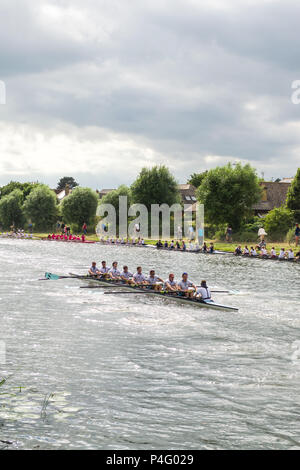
(221, 246)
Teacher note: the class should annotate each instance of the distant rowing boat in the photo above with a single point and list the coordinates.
(67, 241)
(173, 297)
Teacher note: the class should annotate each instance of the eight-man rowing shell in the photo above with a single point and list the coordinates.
(183, 300)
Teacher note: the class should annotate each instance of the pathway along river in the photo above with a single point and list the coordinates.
(132, 372)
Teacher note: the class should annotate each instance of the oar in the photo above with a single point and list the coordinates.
(138, 292)
(223, 291)
(96, 287)
(56, 277)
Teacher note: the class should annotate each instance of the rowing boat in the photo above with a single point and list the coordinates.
(45, 239)
(183, 300)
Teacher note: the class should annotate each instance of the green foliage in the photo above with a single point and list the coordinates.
(290, 236)
(253, 225)
(220, 235)
(293, 197)
(25, 188)
(11, 212)
(277, 222)
(66, 180)
(79, 207)
(197, 178)
(245, 237)
(113, 197)
(228, 194)
(41, 207)
(155, 186)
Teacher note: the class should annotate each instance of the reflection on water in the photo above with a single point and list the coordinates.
(86, 370)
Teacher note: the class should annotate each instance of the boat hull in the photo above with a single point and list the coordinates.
(168, 297)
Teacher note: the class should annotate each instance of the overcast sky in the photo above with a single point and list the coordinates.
(97, 89)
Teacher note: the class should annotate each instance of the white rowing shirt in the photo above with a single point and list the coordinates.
(205, 293)
(185, 285)
(139, 278)
(281, 254)
(152, 280)
(94, 270)
(264, 252)
(171, 283)
(114, 272)
(104, 270)
(127, 275)
(273, 252)
(291, 255)
(253, 252)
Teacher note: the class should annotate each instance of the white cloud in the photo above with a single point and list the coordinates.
(102, 88)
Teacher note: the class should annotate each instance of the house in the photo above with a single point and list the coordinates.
(187, 193)
(274, 194)
(61, 194)
(286, 180)
(104, 192)
(188, 197)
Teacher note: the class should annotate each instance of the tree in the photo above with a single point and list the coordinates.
(197, 178)
(155, 186)
(25, 188)
(66, 180)
(11, 212)
(293, 196)
(278, 222)
(113, 198)
(79, 207)
(228, 194)
(41, 207)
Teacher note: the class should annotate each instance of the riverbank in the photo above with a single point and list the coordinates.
(219, 246)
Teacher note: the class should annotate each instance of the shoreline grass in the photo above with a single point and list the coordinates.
(219, 245)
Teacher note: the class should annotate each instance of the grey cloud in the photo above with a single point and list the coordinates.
(174, 76)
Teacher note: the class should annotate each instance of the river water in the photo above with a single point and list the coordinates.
(86, 370)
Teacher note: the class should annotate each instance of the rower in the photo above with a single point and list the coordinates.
(253, 251)
(204, 248)
(159, 244)
(281, 255)
(114, 272)
(246, 251)
(170, 284)
(126, 276)
(191, 246)
(185, 287)
(104, 270)
(264, 253)
(211, 248)
(273, 253)
(154, 282)
(238, 250)
(139, 277)
(291, 255)
(94, 271)
(203, 292)
(166, 244)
